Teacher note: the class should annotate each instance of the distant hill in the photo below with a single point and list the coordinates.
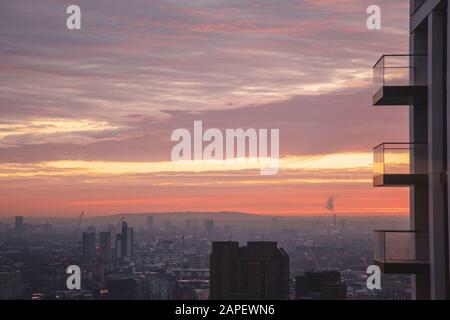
(140, 218)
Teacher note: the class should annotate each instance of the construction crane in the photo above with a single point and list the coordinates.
(77, 230)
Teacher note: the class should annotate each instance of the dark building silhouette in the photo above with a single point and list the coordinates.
(150, 222)
(321, 285)
(19, 227)
(105, 245)
(418, 80)
(124, 239)
(259, 270)
(209, 227)
(89, 246)
(122, 289)
(10, 285)
(124, 242)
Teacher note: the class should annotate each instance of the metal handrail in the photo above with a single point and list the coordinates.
(398, 143)
(401, 231)
(400, 55)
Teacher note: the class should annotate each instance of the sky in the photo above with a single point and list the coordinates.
(86, 115)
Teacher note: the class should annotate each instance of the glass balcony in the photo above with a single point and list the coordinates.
(400, 80)
(399, 164)
(401, 252)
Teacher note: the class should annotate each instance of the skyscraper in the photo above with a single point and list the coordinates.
(130, 242)
(125, 242)
(209, 226)
(105, 245)
(89, 251)
(150, 222)
(418, 80)
(259, 270)
(124, 239)
(18, 225)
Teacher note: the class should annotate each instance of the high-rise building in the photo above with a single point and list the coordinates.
(209, 226)
(105, 245)
(130, 242)
(259, 270)
(125, 242)
(112, 230)
(150, 222)
(321, 285)
(10, 285)
(124, 239)
(89, 246)
(18, 225)
(418, 79)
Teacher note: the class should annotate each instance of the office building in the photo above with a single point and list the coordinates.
(18, 225)
(125, 242)
(150, 222)
(105, 246)
(124, 239)
(320, 285)
(89, 251)
(10, 285)
(257, 271)
(209, 227)
(418, 80)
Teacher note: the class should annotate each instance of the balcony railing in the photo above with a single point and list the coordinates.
(399, 79)
(401, 251)
(400, 158)
(399, 163)
(399, 70)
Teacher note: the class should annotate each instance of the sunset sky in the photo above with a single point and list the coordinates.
(86, 116)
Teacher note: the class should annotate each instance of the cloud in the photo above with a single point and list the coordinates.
(178, 55)
(113, 92)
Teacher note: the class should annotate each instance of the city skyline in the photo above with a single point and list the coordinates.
(238, 150)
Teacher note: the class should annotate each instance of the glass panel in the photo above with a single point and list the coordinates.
(400, 158)
(401, 246)
(399, 70)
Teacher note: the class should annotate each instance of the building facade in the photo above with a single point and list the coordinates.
(89, 250)
(259, 270)
(320, 285)
(418, 79)
(105, 246)
(10, 285)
